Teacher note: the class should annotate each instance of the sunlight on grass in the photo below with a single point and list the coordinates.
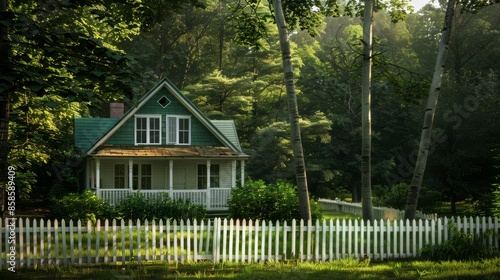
(290, 270)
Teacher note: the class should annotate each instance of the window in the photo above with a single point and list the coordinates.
(164, 101)
(147, 130)
(119, 176)
(178, 130)
(141, 176)
(214, 176)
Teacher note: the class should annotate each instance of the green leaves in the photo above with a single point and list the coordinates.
(271, 202)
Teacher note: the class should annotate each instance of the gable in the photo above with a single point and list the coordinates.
(164, 102)
(200, 136)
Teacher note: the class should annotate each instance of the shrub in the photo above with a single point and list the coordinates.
(276, 201)
(81, 206)
(460, 247)
(137, 206)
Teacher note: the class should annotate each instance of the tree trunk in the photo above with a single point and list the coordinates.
(298, 153)
(425, 139)
(366, 146)
(5, 71)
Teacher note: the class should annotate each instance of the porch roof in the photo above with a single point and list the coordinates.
(170, 151)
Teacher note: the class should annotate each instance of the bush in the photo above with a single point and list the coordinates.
(137, 206)
(277, 201)
(81, 206)
(87, 206)
(460, 247)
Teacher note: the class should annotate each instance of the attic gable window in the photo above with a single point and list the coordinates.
(178, 130)
(164, 101)
(148, 130)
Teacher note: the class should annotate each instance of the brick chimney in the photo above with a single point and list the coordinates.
(116, 109)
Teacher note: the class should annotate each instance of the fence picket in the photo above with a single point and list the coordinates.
(106, 231)
(80, 253)
(89, 241)
(21, 243)
(256, 241)
(122, 227)
(243, 239)
(323, 241)
(138, 226)
(176, 259)
(294, 237)
(277, 241)
(188, 240)
(224, 239)
(168, 241)
(231, 232)
(28, 243)
(301, 248)
(263, 240)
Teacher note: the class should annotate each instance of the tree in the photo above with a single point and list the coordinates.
(366, 148)
(293, 111)
(4, 104)
(62, 56)
(425, 140)
(459, 60)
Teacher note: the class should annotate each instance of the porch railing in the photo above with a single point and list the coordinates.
(213, 199)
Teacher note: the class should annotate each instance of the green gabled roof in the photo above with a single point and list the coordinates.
(228, 128)
(89, 130)
(226, 134)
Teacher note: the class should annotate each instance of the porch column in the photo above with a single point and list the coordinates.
(92, 174)
(88, 182)
(233, 174)
(98, 176)
(171, 178)
(131, 175)
(209, 196)
(242, 173)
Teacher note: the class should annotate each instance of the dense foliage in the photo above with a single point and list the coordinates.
(197, 49)
(87, 206)
(461, 247)
(137, 206)
(81, 206)
(276, 201)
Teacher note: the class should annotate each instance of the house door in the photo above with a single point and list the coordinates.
(180, 178)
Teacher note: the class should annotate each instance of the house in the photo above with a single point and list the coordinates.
(164, 144)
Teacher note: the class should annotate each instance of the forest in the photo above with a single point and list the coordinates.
(67, 59)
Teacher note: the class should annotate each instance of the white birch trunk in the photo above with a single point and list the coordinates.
(425, 140)
(366, 149)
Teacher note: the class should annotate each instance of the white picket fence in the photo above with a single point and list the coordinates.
(378, 212)
(45, 242)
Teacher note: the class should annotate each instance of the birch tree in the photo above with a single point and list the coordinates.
(366, 149)
(425, 139)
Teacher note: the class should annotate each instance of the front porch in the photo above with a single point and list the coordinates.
(201, 181)
(212, 199)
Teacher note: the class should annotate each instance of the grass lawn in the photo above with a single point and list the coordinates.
(341, 269)
(327, 215)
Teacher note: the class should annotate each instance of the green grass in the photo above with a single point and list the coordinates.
(335, 215)
(463, 209)
(341, 269)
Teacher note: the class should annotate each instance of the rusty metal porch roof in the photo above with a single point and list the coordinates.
(169, 151)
